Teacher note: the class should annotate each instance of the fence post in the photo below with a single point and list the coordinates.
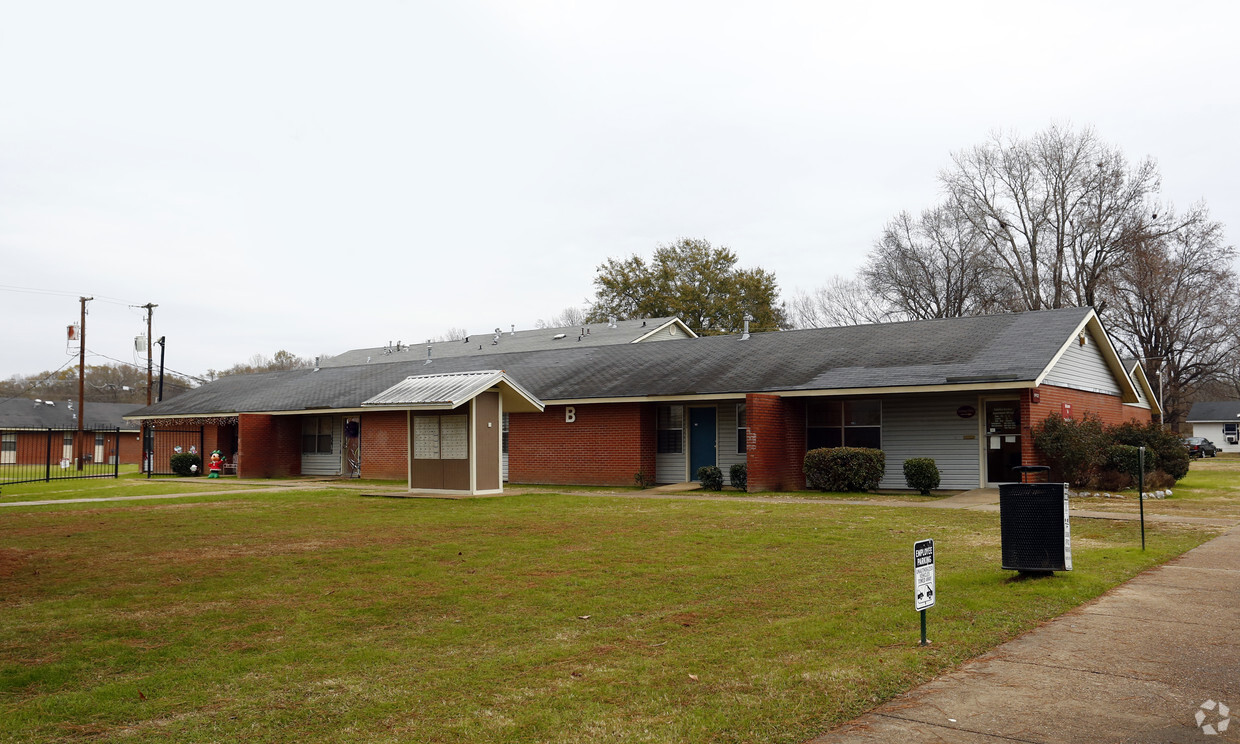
(47, 461)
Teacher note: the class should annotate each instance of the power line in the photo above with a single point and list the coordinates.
(37, 383)
(62, 293)
(186, 375)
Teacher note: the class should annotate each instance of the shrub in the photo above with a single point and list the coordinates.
(711, 477)
(1126, 459)
(1167, 448)
(922, 474)
(1112, 480)
(642, 480)
(739, 475)
(1075, 448)
(844, 468)
(1159, 479)
(185, 464)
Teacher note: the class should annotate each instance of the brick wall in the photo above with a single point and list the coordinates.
(130, 448)
(384, 445)
(268, 446)
(775, 446)
(1109, 408)
(606, 445)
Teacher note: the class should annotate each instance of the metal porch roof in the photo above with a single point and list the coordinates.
(448, 391)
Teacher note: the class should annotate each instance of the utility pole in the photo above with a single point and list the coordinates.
(161, 369)
(150, 362)
(81, 412)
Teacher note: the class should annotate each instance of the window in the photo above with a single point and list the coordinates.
(1230, 429)
(316, 435)
(8, 448)
(504, 436)
(671, 424)
(742, 431)
(846, 423)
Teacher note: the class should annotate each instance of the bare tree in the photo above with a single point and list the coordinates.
(1175, 305)
(1058, 211)
(933, 267)
(840, 302)
(452, 334)
(572, 315)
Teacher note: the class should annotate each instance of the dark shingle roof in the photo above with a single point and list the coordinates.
(485, 344)
(977, 350)
(1215, 410)
(21, 413)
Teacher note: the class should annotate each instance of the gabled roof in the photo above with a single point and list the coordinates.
(978, 353)
(23, 413)
(445, 392)
(502, 342)
(1215, 410)
(1137, 374)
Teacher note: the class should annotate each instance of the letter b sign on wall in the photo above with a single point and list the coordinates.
(570, 414)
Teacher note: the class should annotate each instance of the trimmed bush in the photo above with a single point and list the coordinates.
(643, 481)
(922, 474)
(186, 464)
(711, 477)
(1167, 448)
(1074, 448)
(739, 475)
(844, 468)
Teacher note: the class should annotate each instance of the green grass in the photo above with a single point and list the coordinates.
(1211, 489)
(322, 616)
(132, 484)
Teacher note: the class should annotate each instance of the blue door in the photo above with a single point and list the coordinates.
(701, 439)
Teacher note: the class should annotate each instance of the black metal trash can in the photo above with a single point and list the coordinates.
(1034, 525)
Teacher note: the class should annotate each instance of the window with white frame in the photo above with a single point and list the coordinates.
(671, 430)
(742, 430)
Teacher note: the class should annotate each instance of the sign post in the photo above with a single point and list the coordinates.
(923, 581)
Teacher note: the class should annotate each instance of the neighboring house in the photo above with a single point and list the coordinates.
(964, 391)
(1218, 421)
(24, 426)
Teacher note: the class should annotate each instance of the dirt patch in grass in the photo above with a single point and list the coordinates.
(12, 561)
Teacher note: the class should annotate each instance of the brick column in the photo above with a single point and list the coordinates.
(775, 442)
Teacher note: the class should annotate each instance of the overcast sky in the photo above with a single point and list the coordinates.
(320, 176)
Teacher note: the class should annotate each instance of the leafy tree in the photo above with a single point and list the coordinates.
(692, 280)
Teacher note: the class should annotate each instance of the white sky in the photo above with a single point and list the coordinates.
(320, 176)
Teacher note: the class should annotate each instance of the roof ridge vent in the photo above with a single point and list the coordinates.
(745, 335)
(428, 353)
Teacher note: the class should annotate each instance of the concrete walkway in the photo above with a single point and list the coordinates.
(1135, 665)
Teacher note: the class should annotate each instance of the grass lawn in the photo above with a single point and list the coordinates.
(1211, 489)
(324, 616)
(131, 484)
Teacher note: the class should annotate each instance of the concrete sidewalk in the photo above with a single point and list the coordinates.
(1135, 665)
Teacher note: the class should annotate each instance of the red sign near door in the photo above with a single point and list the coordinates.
(1067, 411)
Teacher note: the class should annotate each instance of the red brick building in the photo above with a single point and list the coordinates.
(964, 391)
